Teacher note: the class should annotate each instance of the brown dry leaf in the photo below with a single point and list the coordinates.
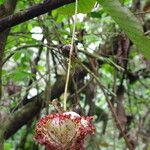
(120, 110)
(121, 115)
(11, 88)
(123, 50)
(147, 7)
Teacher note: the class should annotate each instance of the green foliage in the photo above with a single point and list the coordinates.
(129, 23)
(1, 1)
(99, 26)
(84, 6)
(8, 146)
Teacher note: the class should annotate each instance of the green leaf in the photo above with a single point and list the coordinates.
(1, 2)
(20, 75)
(96, 14)
(17, 55)
(8, 146)
(84, 6)
(129, 23)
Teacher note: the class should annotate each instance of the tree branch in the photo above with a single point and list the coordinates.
(31, 12)
(35, 104)
(7, 8)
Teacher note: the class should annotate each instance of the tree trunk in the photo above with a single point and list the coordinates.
(1, 137)
(5, 9)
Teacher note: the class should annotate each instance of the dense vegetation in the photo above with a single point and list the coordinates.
(109, 76)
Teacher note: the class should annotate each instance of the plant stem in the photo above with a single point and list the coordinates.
(70, 56)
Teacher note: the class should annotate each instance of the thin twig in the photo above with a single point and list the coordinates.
(97, 79)
(20, 101)
(81, 89)
(142, 12)
(18, 49)
(112, 109)
(108, 60)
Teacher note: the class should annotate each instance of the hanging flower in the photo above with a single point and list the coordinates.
(63, 131)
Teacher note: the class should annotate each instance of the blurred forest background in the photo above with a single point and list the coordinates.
(109, 73)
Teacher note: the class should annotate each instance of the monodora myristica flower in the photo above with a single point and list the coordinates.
(65, 131)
